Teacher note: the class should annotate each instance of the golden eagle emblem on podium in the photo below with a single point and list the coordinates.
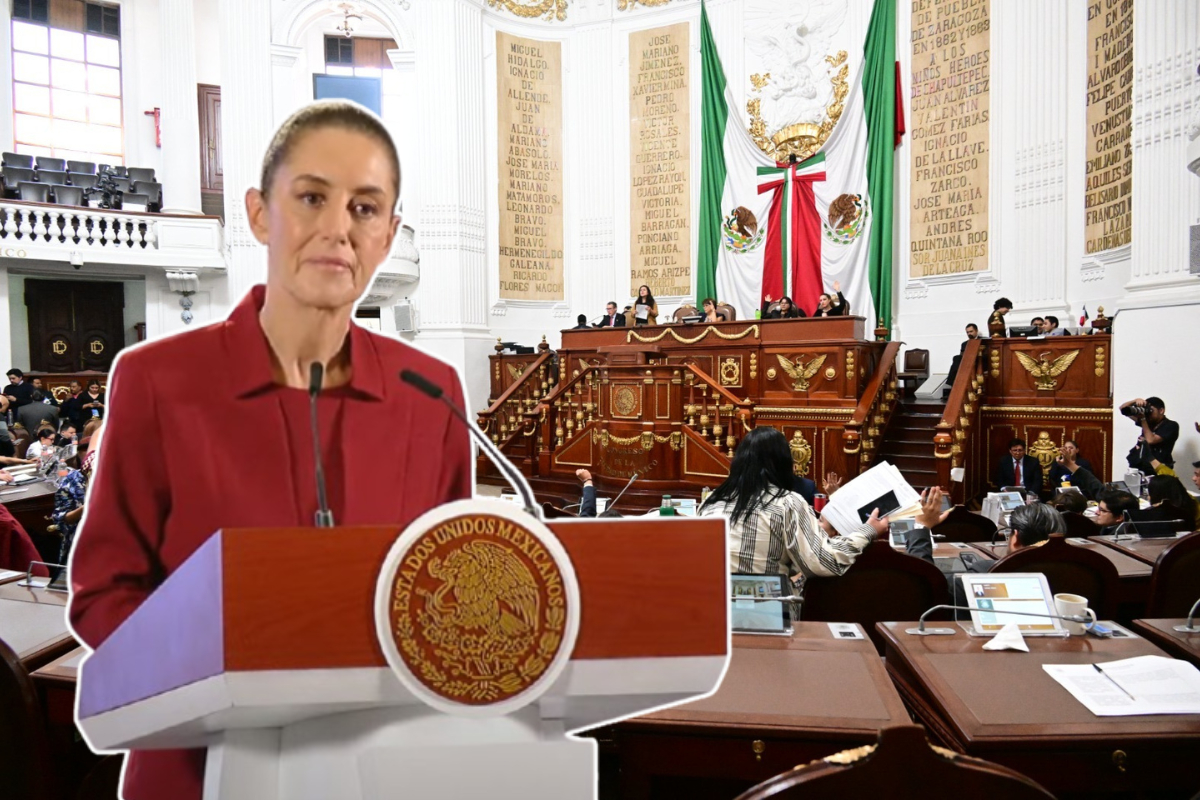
(1044, 371)
(799, 372)
(478, 609)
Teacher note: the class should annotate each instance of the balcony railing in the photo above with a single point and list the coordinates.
(62, 233)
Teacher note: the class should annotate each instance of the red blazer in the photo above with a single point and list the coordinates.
(196, 441)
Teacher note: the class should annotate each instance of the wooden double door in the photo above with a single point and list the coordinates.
(74, 325)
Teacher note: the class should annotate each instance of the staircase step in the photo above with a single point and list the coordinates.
(917, 449)
(906, 434)
(922, 408)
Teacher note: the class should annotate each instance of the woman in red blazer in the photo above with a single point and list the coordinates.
(181, 463)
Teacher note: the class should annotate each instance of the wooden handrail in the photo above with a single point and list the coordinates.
(877, 383)
(962, 382)
(718, 388)
(517, 384)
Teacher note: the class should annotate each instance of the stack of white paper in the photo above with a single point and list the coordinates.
(880, 487)
(1132, 686)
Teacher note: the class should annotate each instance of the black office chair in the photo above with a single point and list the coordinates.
(86, 167)
(34, 192)
(18, 160)
(45, 162)
(123, 184)
(152, 190)
(51, 176)
(119, 171)
(137, 174)
(68, 195)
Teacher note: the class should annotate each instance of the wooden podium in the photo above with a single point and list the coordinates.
(268, 648)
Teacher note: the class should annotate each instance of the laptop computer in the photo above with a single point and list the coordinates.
(990, 594)
(752, 607)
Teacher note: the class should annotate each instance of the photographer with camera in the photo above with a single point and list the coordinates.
(1158, 433)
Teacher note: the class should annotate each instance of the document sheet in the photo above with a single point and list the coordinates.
(1132, 686)
(882, 487)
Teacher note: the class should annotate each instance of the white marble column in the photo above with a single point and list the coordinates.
(593, 278)
(180, 121)
(1028, 201)
(285, 83)
(5, 319)
(1166, 197)
(246, 129)
(449, 196)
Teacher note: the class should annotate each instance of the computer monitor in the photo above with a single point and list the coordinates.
(1023, 331)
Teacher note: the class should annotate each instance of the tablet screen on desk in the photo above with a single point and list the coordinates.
(991, 594)
(751, 608)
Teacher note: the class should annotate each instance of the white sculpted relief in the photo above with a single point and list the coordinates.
(786, 52)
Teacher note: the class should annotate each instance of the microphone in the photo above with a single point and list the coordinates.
(316, 376)
(608, 512)
(1191, 626)
(510, 472)
(1125, 520)
(921, 630)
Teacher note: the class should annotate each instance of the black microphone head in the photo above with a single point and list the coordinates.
(423, 385)
(316, 377)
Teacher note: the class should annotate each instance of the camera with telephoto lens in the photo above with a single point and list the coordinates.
(1134, 411)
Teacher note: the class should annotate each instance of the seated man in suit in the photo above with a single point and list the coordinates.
(972, 333)
(581, 322)
(1050, 328)
(1018, 469)
(611, 318)
(1059, 474)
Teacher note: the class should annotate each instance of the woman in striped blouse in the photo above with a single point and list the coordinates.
(772, 530)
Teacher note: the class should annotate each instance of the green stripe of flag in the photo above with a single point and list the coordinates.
(714, 113)
(879, 104)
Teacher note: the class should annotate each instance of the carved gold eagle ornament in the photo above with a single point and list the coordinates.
(1043, 370)
(799, 372)
(515, 370)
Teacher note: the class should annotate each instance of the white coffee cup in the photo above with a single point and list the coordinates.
(1073, 605)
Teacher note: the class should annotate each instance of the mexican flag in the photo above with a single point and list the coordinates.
(770, 229)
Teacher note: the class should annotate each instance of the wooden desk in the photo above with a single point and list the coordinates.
(1176, 643)
(29, 594)
(56, 681)
(37, 632)
(10, 575)
(1002, 706)
(1146, 550)
(783, 702)
(56, 687)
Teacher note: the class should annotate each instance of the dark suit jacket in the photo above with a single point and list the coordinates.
(841, 309)
(1031, 472)
(804, 487)
(246, 462)
(607, 321)
(1058, 472)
